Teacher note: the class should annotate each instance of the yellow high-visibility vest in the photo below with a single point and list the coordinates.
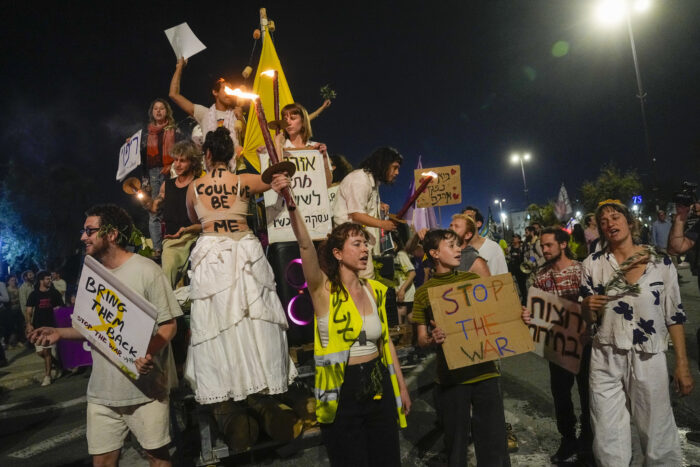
(344, 325)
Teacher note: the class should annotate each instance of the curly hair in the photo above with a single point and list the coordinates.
(378, 163)
(336, 240)
(220, 144)
(168, 113)
(189, 151)
(112, 217)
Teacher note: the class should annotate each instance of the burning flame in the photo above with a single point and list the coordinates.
(238, 93)
(139, 195)
(429, 174)
(270, 73)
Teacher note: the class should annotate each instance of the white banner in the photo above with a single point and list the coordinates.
(129, 156)
(116, 321)
(310, 194)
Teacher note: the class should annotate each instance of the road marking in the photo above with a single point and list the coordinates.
(49, 444)
(42, 409)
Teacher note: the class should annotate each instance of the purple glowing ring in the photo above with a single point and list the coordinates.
(291, 281)
(290, 312)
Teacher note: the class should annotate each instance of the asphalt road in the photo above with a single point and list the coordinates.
(45, 426)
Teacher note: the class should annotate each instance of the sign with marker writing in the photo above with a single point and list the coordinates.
(310, 194)
(444, 190)
(557, 329)
(482, 320)
(116, 321)
(129, 156)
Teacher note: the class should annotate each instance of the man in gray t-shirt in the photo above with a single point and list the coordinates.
(116, 403)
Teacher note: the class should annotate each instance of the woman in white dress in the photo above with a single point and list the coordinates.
(239, 343)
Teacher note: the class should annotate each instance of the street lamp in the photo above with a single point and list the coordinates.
(613, 12)
(515, 158)
(500, 202)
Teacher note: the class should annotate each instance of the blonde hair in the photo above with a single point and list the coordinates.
(189, 151)
(471, 224)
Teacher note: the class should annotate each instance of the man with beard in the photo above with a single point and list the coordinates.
(561, 275)
(533, 246)
(358, 197)
(224, 112)
(116, 403)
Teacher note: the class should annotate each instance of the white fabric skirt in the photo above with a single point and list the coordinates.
(239, 342)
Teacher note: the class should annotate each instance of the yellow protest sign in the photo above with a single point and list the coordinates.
(444, 190)
(482, 320)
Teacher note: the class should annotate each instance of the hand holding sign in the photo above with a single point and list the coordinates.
(557, 329)
(183, 41)
(479, 320)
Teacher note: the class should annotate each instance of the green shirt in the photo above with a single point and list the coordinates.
(422, 314)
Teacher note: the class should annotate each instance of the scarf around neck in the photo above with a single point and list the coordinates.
(152, 148)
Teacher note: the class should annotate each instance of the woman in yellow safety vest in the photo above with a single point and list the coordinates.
(361, 397)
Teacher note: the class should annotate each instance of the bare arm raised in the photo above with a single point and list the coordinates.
(315, 278)
(181, 101)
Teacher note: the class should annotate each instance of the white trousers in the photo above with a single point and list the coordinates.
(626, 383)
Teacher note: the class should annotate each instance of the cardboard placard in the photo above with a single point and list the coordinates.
(557, 329)
(129, 156)
(482, 320)
(310, 194)
(116, 321)
(445, 190)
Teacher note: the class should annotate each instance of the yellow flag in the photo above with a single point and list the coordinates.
(262, 86)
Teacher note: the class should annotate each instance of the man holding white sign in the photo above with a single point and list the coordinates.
(116, 403)
(561, 276)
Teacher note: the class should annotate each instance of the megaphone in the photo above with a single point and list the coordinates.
(528, 266)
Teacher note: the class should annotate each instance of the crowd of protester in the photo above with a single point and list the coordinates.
(237, 343)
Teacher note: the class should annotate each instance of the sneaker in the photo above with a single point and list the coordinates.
(46, 381)
(512, 439)
(566, 451)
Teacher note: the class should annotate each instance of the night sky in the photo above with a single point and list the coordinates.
(456, 82)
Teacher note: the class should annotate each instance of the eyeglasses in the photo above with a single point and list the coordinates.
(89, 231)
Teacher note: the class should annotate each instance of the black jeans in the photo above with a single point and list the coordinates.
(365, 432)
(561, 382)
(479, 405)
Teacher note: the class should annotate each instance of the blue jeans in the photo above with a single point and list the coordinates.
(156, 179)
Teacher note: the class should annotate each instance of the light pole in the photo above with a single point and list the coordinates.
(515, 158)
(500, 202)
(612, 12)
